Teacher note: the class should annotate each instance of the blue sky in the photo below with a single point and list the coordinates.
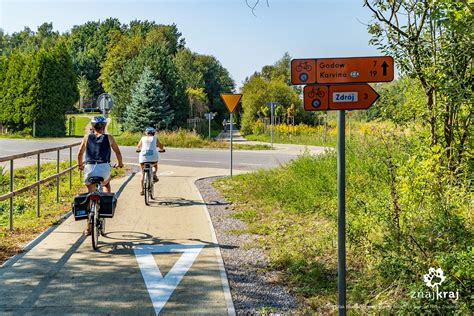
(227, 29)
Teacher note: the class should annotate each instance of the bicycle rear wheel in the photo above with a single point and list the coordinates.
(95, 225)
(145, 187)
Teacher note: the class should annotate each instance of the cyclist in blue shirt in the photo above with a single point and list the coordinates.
(97, 146)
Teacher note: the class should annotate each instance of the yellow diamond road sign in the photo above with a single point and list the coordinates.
(231, 100)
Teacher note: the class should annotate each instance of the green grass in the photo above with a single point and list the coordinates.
(26, 224)
(80, 123)
(184, 139)
(293, 212)
(305, 139)
(82, 120)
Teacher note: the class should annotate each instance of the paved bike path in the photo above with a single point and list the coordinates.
(141, 265)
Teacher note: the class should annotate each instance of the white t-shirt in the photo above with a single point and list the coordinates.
(149, 152)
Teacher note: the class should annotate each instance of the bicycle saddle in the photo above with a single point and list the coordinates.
(95, 180)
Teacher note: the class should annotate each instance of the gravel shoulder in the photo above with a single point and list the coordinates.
(253, 289)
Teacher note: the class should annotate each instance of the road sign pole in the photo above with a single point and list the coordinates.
(341, 214)
(271, 122)
(231, 100)
(209, 116)
(231, 127)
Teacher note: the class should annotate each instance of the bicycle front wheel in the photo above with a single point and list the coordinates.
(95, 231)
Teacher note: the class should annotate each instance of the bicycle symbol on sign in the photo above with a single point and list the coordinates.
(304, 65)
(316, 92)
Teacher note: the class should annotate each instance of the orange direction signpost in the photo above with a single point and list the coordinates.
(340, 84)
(339, 97)
(303, 71)
(354, 69)
(342, 70)
(351, 97)
(231, 100)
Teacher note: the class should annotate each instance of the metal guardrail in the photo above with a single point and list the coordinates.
(39, 181)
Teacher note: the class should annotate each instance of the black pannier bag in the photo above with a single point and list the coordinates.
(80, 206)
(108, 202)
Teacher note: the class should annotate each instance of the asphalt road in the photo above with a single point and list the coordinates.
(189, 157)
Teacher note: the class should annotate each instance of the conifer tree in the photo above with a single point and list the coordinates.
(149, 105)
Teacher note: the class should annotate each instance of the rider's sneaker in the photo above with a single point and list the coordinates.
(155, 178)
(142, 192)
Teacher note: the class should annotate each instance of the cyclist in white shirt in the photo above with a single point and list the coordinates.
(148, 152)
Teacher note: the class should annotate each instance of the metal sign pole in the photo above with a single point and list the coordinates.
(209, 116)
(271, 122)
(341, 214)
(231, 127)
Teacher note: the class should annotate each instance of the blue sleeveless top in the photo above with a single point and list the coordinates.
(98, 149)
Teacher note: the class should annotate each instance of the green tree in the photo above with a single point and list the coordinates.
(38, 87)
(154, 56)
(206, 72)
(258, 92)
(402, 101)
(433, 42)
(83, 86)
(88, 45)
(149, 105)
(45, 37)
(279, 70)
(189, 69)
(28, 40)
(3, 42)
(59, 92)
(197, 101)
(217, 80)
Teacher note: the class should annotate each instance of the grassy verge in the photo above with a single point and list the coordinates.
(82, 120)
(310, 140)
(26, 224)
(184, 139)
(79, 123)
(310, 135)
(404, 215)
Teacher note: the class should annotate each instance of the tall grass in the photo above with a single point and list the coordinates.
(405, 214)
(320, 135)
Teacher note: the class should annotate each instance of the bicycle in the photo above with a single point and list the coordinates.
(316, 92)
(303, 66)
(148, 183)
(96, 223)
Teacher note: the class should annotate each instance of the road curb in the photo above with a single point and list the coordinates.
(220, 262)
